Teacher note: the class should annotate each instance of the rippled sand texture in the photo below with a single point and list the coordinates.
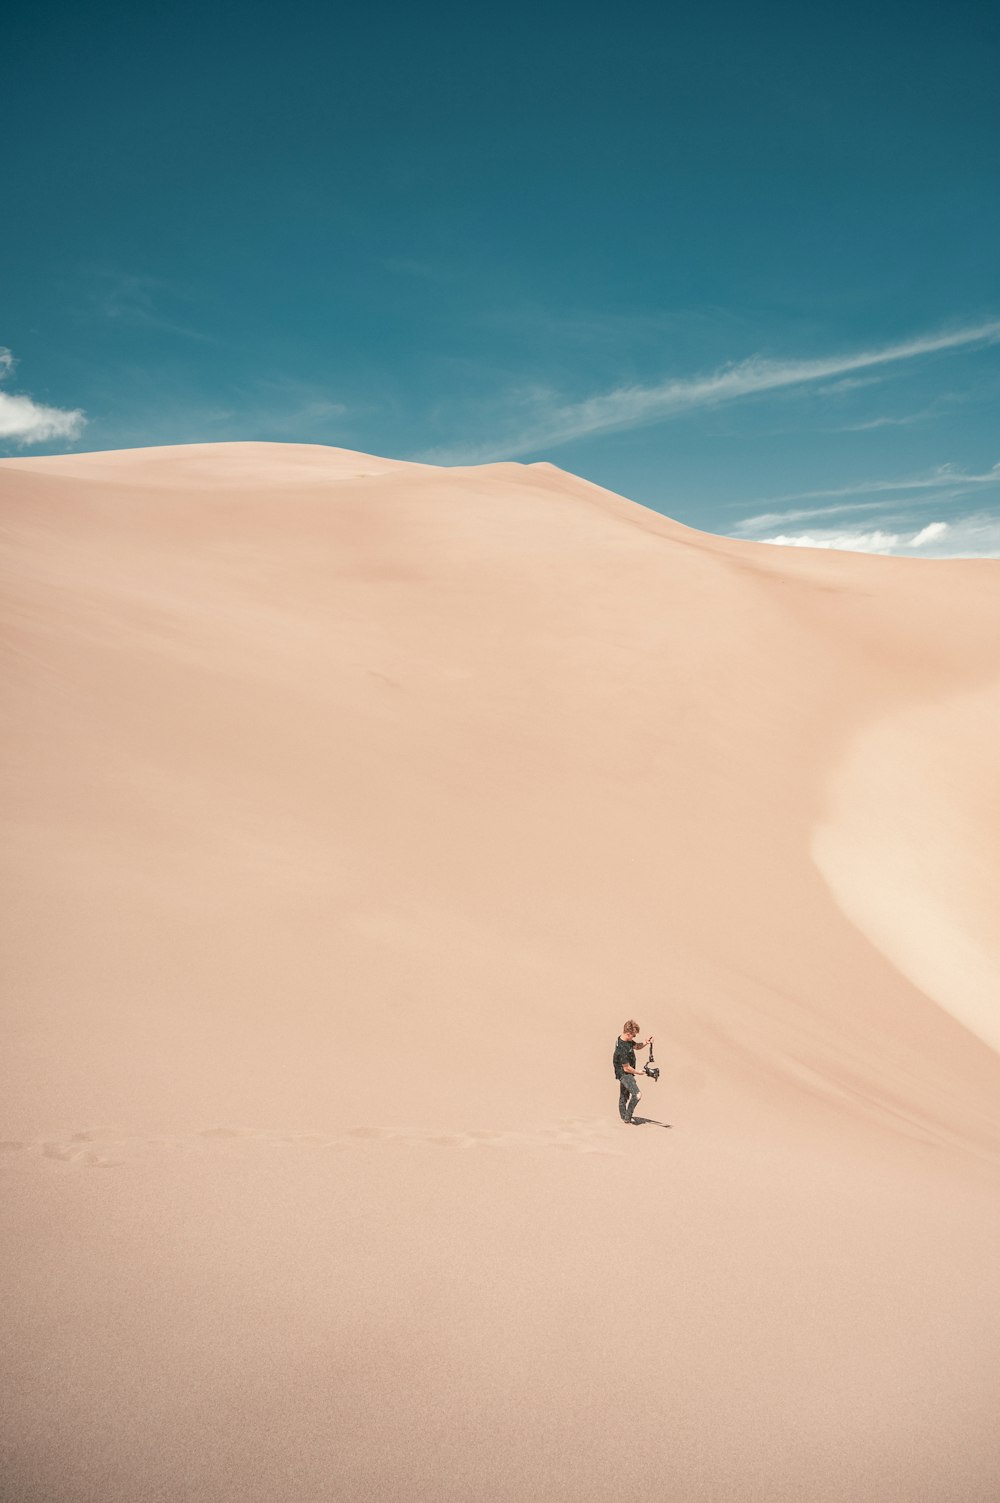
(350, 807)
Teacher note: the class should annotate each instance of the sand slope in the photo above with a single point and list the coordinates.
(350, 806)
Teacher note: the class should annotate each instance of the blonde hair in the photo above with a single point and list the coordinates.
(631, 1026)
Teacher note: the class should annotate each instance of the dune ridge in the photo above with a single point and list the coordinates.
(350, 806)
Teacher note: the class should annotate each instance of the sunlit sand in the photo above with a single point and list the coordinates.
(350, 807)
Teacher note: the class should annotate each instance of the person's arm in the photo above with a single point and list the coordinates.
(630, 1069)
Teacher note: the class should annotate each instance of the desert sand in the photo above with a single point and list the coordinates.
(350, 808)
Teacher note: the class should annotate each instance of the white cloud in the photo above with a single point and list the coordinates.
(635, 406)
(893, 529)
(853, 542)
(30, 422)
(928, 534)
(976, 536)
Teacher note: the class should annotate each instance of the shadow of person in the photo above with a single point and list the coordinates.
(649, 1122)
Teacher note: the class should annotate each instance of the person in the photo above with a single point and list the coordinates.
(625, 1070)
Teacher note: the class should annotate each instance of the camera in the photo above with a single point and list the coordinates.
(653, 1071)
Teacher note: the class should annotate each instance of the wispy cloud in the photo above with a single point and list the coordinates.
(311, 415)
(29, 422)
(554, 422)
(943, 478)
(142, 302)
(754, 526)
(436, 272)
(271, 410)
(887, 422)
(849, 383)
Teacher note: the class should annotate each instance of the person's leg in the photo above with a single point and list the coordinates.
(634, 1094)
(623, 1098)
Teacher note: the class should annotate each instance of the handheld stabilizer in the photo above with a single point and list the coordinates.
(653, 1071)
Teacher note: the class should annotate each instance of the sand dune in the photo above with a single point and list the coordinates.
(350, 807)
(911, 846)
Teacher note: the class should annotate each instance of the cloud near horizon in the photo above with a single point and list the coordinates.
(637, 406)
(893, 529)
(945, 482)
(29, 422)
(975, 536)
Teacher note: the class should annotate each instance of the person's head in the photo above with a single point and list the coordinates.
(630, 1030)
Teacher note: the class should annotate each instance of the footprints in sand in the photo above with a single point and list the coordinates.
(577, 1135)
(107, 1148)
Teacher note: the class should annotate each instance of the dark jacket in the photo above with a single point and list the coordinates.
(624, 1055)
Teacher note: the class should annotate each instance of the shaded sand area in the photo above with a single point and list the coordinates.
(350, 807)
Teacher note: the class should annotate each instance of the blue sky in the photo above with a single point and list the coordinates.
(737, 263)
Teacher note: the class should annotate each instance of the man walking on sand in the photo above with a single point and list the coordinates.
(625, 1071)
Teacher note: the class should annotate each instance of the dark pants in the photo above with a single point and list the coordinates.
(628, 1097)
